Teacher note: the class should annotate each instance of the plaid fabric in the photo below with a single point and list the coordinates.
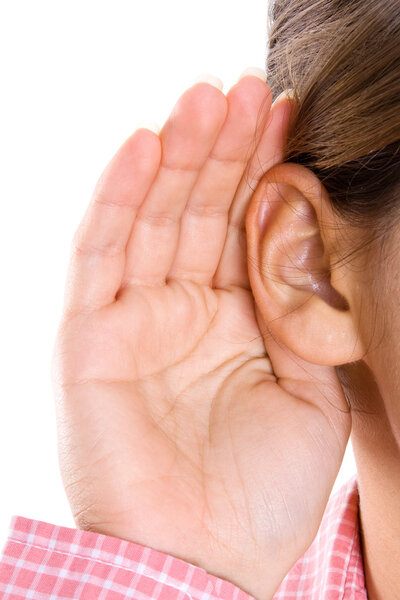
(47, 562)
(332, 568)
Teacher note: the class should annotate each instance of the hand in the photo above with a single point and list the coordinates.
(173, 431)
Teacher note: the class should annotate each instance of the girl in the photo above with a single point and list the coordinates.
(231, 316)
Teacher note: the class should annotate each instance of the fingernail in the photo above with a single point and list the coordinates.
(148, 124)
(207, 78)
(255, 72)
(289, 94)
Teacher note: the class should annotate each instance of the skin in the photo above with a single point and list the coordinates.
(367, 348)
(376, 420)
(199, 411)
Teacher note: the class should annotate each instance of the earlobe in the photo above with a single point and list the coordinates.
(290, 252)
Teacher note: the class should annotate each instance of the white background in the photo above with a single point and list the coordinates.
(76, 78)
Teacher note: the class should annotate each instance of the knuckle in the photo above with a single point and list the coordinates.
(113, 201)
(207, 210)
(81, 247)
(159, 219)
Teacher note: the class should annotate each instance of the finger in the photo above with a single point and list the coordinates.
(187, 139)
(98, 247)
(204, 221)
(232, 269)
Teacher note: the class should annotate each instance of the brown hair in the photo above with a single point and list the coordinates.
(342, 59)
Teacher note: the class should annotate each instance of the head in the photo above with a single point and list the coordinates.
(323, 227)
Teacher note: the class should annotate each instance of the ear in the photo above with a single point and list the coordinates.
(292, 243)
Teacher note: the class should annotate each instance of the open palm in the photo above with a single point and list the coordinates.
(173, 430)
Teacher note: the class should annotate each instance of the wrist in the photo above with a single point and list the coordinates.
(259, 582)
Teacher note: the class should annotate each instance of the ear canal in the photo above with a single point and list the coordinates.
(305, 269)
(322, 286)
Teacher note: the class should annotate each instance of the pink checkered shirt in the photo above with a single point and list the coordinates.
(48, 562)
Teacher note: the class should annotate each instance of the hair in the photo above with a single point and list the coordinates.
(342, 60)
